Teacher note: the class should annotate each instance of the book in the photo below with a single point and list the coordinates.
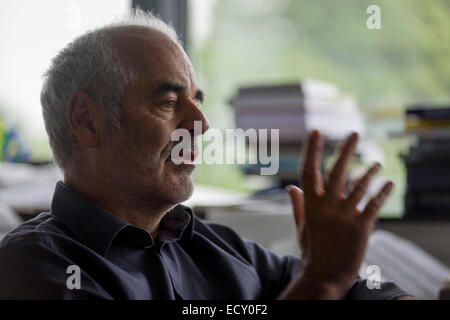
(428, 111)
(295, 109)
(426, 116)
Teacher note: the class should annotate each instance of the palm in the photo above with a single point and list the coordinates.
(332, 233)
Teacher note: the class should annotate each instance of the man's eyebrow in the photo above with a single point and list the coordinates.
(168, 86)
(200, 96)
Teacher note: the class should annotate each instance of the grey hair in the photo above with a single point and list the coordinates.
(91, 64)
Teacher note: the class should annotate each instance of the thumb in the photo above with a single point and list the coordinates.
(296, 195)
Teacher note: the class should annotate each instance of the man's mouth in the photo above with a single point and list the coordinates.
(184, 157)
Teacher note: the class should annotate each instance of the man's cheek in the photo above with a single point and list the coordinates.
(153, 144)
(158, 136)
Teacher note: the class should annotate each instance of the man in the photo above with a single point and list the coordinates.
(111, 100)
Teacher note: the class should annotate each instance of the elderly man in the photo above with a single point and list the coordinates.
(111, 100)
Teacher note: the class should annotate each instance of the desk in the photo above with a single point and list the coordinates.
(276, 230)
(419, 272)
(27, 189)
(431, 235)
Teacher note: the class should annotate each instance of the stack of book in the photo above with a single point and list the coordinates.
(294, 109)
(428, 162)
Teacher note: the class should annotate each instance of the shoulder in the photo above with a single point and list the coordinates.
(252, 252)
(32, 262)
(40, 231)
(221, 236)
(274, 272)
(226, 233)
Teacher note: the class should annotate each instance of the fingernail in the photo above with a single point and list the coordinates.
(291, 187)
(313, 133)
(390, 186)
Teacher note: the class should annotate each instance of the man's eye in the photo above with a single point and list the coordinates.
(169, 103)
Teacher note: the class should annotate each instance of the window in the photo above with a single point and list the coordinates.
(31, 33)
(238, 43)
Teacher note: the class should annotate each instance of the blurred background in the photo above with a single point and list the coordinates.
(385, 78)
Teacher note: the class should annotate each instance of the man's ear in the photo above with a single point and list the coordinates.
(84, 119)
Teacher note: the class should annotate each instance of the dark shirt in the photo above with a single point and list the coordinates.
(189, 259)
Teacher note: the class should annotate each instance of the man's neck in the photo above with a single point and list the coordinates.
(122, 205)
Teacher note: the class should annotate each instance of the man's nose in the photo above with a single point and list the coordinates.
(192, 114)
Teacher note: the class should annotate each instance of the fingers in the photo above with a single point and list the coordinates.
(370, 211)
(359, 190)
(296, 196)
(338, 175)
(310, 172)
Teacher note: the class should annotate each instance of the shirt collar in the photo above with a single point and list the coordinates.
(176, 225)
(98, 228)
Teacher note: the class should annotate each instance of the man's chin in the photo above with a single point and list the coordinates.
(180, 184)
(181, 193)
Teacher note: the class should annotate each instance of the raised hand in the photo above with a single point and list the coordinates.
(332, 232)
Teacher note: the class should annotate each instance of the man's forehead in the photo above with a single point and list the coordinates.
(157, 58)
(143, 43)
